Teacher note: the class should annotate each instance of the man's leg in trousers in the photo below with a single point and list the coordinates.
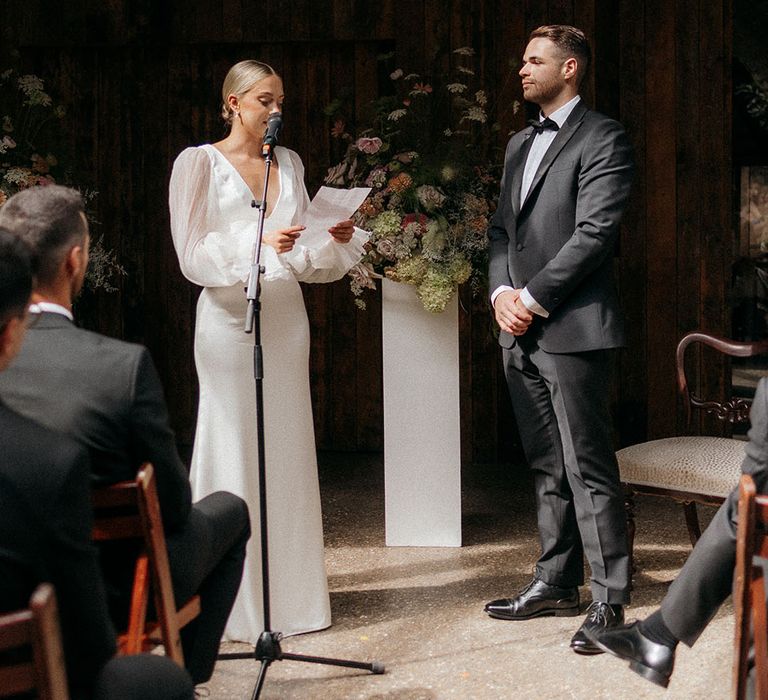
(706, 579)
(561, 561)
(143, 677)
(206, 558)
(580, 385)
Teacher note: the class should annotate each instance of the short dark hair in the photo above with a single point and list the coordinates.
(15, 277)
(48, 219)
(570, 41)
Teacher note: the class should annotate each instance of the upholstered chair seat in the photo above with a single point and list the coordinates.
(709, 466)
(692, 469)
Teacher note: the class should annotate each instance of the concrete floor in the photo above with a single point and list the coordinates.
(419, 610)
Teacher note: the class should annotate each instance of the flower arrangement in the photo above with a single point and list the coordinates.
(430, 160)
(29, 123)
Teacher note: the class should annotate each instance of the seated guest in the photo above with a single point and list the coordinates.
(703, 583)
(106, 394)
(45, 529)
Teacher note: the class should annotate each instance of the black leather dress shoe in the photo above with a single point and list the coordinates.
(652, 661)
(600, 616)
(536, 600)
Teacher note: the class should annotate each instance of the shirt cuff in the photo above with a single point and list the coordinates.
(501, 288)
(531, 304)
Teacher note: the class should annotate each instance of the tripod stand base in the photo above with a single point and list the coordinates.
(268, 649)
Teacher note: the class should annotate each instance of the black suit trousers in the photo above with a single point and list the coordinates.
(142, 677)
(706, 579)
(206, 558)
(561, 404)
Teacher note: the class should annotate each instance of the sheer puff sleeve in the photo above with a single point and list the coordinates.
(212, 252)
(328, 261)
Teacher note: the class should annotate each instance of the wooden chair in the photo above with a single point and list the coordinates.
(130, 510)
(33, 634)
(750, 590)
(690, 469)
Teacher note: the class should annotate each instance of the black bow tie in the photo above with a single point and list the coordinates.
(539, 126)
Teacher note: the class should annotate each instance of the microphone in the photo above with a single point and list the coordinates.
(274, 125)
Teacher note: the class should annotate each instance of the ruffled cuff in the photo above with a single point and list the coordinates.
(274, 269)
(330, 260)
(237, 254)
(227, 257)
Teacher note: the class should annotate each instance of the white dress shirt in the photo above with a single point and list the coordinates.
(50, 307)
(541, 143)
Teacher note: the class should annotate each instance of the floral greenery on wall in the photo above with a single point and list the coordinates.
(756, 102)
(428, 153)
(30, 136)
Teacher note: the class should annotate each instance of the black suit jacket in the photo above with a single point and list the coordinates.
(107, 395)
(559, 243)
(756, 458)
(45, 535)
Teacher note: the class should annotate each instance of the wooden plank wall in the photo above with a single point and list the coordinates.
(142, 80)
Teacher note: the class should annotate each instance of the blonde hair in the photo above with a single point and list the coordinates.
(241, 78)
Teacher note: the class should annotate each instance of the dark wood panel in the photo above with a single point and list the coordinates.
(142, 80)
(410, 27)
(369, 380)
(688, 288)
(633, 246)
(508, 47)
(718, 244)
(661, 208)
(561, 12)
(170, 300)
(232, 25)
(343, 378)
(318, 301)
(606, 41)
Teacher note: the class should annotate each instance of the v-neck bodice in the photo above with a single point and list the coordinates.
(230, 175)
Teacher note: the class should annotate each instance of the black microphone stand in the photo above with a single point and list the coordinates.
(268, 648)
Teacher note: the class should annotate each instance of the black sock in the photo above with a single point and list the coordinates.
(654, 628)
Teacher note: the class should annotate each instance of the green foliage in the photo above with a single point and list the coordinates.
(30, 134)
(428, 153)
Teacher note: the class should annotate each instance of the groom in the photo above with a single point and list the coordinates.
(565, 187)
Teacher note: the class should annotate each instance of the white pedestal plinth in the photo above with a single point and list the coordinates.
(422, 445)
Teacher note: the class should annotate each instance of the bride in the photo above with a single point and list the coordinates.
(213, 224)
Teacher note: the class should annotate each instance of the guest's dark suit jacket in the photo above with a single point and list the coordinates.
(560, 243)
(45, 535)
(106, 394)
(756, 461)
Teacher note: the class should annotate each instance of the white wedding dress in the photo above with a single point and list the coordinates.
(213, 226)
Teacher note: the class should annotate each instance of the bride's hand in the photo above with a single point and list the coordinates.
(284, 239)
(343, 231)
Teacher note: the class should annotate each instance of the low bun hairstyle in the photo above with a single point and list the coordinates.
(241, 78)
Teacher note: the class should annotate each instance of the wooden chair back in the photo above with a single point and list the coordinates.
(749, 593)
(131, 510)
(34, 635)
(732, 409)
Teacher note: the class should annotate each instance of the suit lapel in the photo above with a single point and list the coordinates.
(517, 163)
(564, 134)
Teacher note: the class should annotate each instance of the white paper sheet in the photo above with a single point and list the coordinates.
(329, 206)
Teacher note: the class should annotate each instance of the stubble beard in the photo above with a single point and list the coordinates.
(543, 93)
